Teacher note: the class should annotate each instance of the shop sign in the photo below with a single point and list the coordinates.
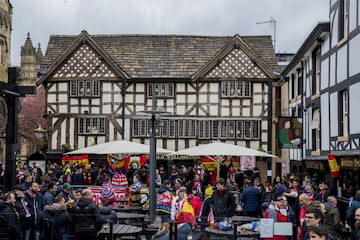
(314, 165)
(349, 162)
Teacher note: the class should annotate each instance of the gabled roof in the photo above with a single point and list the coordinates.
(161, 56)
(76, 42)
(235, 43)
(306, 46)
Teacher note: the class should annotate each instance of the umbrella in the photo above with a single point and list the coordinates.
(119, 147)
(221, 149)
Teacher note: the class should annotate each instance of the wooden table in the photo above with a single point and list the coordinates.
(231, 234)
(132, 218)
(120, 230)
(242, 219)
(135, 209)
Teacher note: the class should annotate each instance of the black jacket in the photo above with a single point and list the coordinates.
(223, 204)
(12, 219)
(107, 214)
(20, 208)
(86, 216)
(62, 222)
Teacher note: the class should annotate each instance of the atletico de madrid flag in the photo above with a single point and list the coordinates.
(334, 167)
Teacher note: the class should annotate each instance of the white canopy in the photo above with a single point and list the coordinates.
(119, 147)
(221, 149)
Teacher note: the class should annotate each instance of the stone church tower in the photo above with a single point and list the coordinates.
(30, 63)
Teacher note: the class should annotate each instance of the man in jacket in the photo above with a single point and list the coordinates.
(222, 201)
(35, 204)
(21, 207)
(356, 233)
(332, 217)
(8, 211)
(250, 198)
(50, 194)
(350, 212)
(86, 216)
(62, 222)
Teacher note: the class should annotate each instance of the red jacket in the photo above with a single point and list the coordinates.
(196, 203)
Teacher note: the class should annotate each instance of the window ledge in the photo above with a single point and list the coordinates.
(343, 138)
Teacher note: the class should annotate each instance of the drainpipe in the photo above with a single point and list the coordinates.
(269, 136)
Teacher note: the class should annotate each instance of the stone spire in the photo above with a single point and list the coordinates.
(28, 63)
(39, 58)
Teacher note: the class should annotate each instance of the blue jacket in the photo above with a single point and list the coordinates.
(35, 205)
(250, 198)
(350, 212)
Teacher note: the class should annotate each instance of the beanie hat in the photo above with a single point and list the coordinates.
(68, 170)
(209, 192)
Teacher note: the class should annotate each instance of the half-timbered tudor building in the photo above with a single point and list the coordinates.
(331, 102)
(214, 89)
(298, 95)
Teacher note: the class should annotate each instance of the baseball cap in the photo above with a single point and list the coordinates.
(19, 187)
(66, 186)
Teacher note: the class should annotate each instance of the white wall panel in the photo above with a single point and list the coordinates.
(334, 114)
(203, 98)
(257, 98)
(51, 98)
(236, 111)
(325, 45)
(63, 109)
(180, 87)
(225, 111)
(72, 131)
(192, 98)
(106, 97)
(106, 108)
(324, 119)
(63, 97)
(257, 87)
(74, 109)
(63, 86)
(95, 101)
(354, 45)
(352, 14)
(332, 70)
(214, 87)
(342, 64)
(180, 110)
(257, 110)
(334, 29)
(81, 142)
(324, 74)
(354, 113)
(246, 112)
(95, 110)
(63, 132)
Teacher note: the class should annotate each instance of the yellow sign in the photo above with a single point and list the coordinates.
(209, 165)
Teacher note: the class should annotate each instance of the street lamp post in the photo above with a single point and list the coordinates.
(152, 168)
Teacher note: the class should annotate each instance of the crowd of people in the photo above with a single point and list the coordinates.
(186, 195)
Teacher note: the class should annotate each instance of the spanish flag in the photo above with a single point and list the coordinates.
(186, 213)
(334, 167)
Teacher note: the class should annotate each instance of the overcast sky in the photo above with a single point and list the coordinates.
(294, 19)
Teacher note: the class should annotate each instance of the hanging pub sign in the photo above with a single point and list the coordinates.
(289, 132)
(334, 167)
